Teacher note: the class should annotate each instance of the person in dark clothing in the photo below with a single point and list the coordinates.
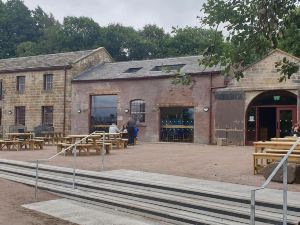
(130, 129)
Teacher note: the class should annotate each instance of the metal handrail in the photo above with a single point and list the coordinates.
(283, 163)
(74, 159)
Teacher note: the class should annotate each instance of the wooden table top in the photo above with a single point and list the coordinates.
(19, 134)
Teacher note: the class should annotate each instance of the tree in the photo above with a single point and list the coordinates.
(16, 26)
(192, 40)
(80, 33)
(254, 27)
(290, 41)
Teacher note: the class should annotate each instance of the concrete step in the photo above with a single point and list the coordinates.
(209, 194)
(164, 214)
(234, 213)
(148, 194)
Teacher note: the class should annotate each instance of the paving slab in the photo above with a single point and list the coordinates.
(273, 195)
(84, 214)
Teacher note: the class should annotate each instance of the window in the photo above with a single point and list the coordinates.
(137, 110)
(103, 111)
(1, 92)
(47, 115)
(48, 82)
(21, 84)
(133, 70)
(168, 67)
(20, 115)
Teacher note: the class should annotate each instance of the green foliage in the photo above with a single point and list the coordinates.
(286, 69)
(24, 32)
(254, 27)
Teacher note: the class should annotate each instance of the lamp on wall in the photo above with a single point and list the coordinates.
(79, 110)
(9, 112)
(205, 109)
(126, 110)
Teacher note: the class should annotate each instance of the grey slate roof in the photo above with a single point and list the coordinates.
(42, 61)
(117, 70)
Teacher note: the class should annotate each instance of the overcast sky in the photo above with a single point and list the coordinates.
(136, 13)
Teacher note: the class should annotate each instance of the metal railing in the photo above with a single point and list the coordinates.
(74, 151)
(283, 163)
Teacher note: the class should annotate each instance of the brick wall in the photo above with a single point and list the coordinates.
(156, 93)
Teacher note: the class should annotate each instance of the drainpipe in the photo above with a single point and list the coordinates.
(65, 96)
(210, 109)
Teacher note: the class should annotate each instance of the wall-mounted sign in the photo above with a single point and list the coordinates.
(276, 97)
(251, 119)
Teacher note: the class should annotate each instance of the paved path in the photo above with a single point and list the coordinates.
(84, 214)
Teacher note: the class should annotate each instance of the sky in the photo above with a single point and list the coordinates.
(136, 13)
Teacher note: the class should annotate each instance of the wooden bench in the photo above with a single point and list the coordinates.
(10, 144)
(124, 142)
(270, 157)
(107, 146)
(35, 144)
(87, 147)
(260, 146)
(281, 151)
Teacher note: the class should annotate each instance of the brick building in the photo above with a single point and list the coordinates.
(79, 92)
(111, 92)
(37, 90)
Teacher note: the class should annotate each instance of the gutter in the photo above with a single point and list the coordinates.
(65, 96)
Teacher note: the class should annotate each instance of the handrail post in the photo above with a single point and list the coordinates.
(285, 190)
(103, 151)
(74, 164)
(36, 178)
(252, 216)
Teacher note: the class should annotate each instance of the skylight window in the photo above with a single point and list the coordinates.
(133, 70)
(168, 67)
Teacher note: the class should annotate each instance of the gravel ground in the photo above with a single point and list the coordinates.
(13, 195)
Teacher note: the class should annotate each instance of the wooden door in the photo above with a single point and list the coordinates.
(286, 117)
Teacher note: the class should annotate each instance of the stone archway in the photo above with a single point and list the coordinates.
(270, 114)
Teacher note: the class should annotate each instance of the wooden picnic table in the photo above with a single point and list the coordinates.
(15, 136)
(259, 146)
(287, 139)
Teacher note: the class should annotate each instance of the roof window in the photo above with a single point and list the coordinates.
(133, 70)
(168, 67)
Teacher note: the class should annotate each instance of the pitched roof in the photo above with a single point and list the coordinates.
(43, 61)
(144, 69)
(277, 50)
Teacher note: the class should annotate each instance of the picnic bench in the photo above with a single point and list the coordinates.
(262, 159)
(266, 152)
(260, 146)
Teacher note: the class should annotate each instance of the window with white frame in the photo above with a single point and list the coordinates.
(137, 110)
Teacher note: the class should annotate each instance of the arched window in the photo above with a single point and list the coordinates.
(137, 110)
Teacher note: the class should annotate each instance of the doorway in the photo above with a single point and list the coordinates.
(177, 124)
(270, 114)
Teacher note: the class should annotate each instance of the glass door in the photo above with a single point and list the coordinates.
(286, 117)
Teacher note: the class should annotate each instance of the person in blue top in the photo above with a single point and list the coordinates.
(135, 134)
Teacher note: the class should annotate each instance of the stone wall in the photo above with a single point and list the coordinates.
(156, 93)
(35, 96)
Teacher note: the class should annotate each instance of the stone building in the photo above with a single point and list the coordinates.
(111, 92)
(79, 92)
(258, 107)
(37, 90)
